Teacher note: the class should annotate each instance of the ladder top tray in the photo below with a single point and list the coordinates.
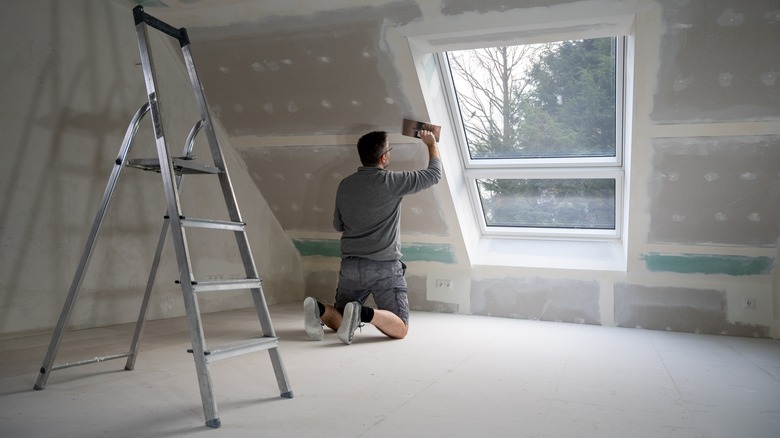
(180, 165)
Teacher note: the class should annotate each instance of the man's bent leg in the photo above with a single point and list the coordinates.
(390, 324)
(349, 289)
(391, 297)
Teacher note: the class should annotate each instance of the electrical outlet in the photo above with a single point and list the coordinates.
(444, 284)
(749, 303)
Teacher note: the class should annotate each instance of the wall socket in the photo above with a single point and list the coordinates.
(444, 284)
(749, 303)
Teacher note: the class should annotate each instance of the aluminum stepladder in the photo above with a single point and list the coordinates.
(171, 170)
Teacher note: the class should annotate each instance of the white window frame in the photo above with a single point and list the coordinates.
(546, 168)
(525, 26)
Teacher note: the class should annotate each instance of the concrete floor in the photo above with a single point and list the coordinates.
(455, 375)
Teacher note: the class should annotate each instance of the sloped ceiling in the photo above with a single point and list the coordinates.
(306, 70)
(274, 68)
(320, 73)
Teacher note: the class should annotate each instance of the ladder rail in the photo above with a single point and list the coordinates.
(180, 241)
(211, 135)
(224, 178)
(86, 255)
(173, 203)
(242, 239)
(142, 314)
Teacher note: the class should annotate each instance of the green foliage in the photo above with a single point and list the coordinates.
(574, 83)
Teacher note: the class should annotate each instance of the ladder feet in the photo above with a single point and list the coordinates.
(215, 423)
(288, 394)
(38, 387)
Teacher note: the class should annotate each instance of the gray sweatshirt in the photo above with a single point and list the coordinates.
(368, 209)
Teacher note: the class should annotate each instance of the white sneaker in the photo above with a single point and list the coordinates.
(350, 322)
(311, 319)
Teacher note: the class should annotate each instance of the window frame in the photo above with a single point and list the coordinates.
(548, 168)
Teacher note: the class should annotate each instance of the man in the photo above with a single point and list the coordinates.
(368, 213)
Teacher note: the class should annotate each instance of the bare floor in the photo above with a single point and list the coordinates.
(455, 375)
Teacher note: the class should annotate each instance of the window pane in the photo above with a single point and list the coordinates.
(552, 100)
(548, 203)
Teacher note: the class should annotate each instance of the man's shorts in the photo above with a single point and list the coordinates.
(360, 277)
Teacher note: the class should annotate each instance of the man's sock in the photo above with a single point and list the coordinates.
(321, 308)
(366, 314)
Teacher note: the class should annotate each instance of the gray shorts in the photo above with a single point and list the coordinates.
(361, 277)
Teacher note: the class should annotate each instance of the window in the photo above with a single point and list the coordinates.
(541, 133)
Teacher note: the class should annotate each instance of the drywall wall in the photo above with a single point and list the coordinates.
(716, 190)
(71, 83)
(294, 84)
(739, 83)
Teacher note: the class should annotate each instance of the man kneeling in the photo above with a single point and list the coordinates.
(368, 213)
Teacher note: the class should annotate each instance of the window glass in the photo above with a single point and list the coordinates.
(538, 109)
(551, 100)
(548, 203)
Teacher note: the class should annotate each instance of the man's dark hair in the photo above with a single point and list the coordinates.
(371, 147)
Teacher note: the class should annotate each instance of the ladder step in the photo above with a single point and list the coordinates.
(213, 224)
(222, 285)
(181, 166)
(239, 348)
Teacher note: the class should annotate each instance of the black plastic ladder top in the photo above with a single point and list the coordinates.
(142, 17)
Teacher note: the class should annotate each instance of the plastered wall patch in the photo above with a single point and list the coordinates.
(428, 252)
(678, 309)
(709, 264)
(545, 299)
(318, 247)
(412, 252)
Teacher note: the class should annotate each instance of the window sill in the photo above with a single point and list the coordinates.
(550, 254)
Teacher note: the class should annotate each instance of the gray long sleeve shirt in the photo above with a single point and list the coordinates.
(368, 209)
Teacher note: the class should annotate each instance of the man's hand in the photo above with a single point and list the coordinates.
(427, 137)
